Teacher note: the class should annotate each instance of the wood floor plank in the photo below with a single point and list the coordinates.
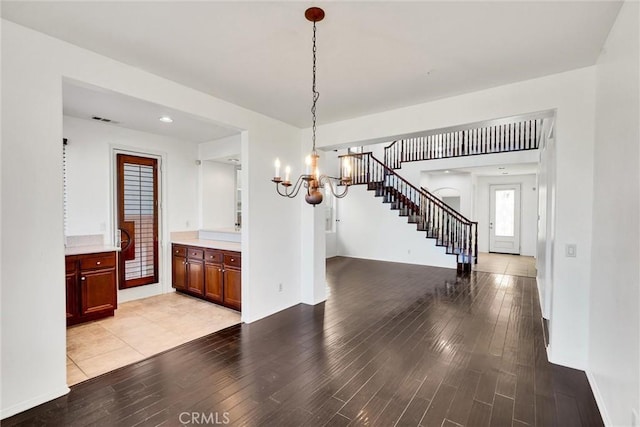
(506, 385)
(480, 414)
(524, 399)
(439, 407)
(502, 413)
(464, 398)
(395, 344)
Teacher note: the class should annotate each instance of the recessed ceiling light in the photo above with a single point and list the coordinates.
(505, 173)
(166, 119)
(500, 168)
(233, 160)
(447, 171)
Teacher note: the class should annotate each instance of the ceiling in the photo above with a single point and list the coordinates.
(496, 170)
(85, 102)
(372, 56)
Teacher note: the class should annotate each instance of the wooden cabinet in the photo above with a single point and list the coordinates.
(91, 286)
(187, 271)
(211, 274)
(179, 270)
(232, 288)
(213, 277)
(232, 280)
(195, 271)
(72, 296)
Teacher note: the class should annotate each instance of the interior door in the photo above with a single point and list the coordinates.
(504, 220)
(138, 220)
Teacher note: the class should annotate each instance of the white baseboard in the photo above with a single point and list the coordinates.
(599, 400)
(541, 299)
(28, 404)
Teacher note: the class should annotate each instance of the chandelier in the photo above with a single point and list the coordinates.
(311, 180)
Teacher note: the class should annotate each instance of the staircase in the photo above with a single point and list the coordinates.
(517, 133)
(451, 230)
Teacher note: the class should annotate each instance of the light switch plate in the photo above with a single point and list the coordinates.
(570, 250)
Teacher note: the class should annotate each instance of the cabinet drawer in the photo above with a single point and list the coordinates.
(195, 253)
(232, 259)
(215, 257)
(89, 262)
(179, 250)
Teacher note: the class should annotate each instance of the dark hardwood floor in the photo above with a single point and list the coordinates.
(394, 344)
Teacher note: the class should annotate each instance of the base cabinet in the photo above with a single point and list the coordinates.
(91, 287)
(179, 269)
(232, 281)
(214, 279)
(210, 274)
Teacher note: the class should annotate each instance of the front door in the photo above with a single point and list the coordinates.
(504, 221)
(138, 220)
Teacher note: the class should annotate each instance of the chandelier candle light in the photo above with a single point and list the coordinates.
(311, 180)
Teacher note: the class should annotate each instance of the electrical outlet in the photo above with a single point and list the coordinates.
(279, 287)
(408, 251)
(570, 250)
(188, 223)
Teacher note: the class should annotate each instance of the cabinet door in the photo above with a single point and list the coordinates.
(213, 279)
(72, 296)
(98, 290)
(179, 272)
(196, 277)
(232, 288)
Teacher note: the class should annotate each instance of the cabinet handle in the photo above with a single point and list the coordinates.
(98, 263)
(83, 278)
(232, 259)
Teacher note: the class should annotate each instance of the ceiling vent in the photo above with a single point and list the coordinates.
(102, 119)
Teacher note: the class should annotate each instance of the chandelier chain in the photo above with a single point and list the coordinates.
(316, 94)
(312, 181)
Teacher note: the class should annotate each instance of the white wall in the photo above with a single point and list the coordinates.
(331, 238)
(546, 226)
(572, 94)
(33, 323)
(461, 182)
(90, 186)
(528, 210)
(218, 195)
(369, 229)
(412, 171)
(614, 330)
(222, 148)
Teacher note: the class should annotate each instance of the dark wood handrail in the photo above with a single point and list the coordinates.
(519, 133)
(445, 206)
(449, 227)
(422, 191)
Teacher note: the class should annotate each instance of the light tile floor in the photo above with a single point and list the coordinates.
(141, 329)
(514, 265)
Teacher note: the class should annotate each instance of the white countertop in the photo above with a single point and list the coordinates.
(231, 230)
(210, 244)
(90, 249)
